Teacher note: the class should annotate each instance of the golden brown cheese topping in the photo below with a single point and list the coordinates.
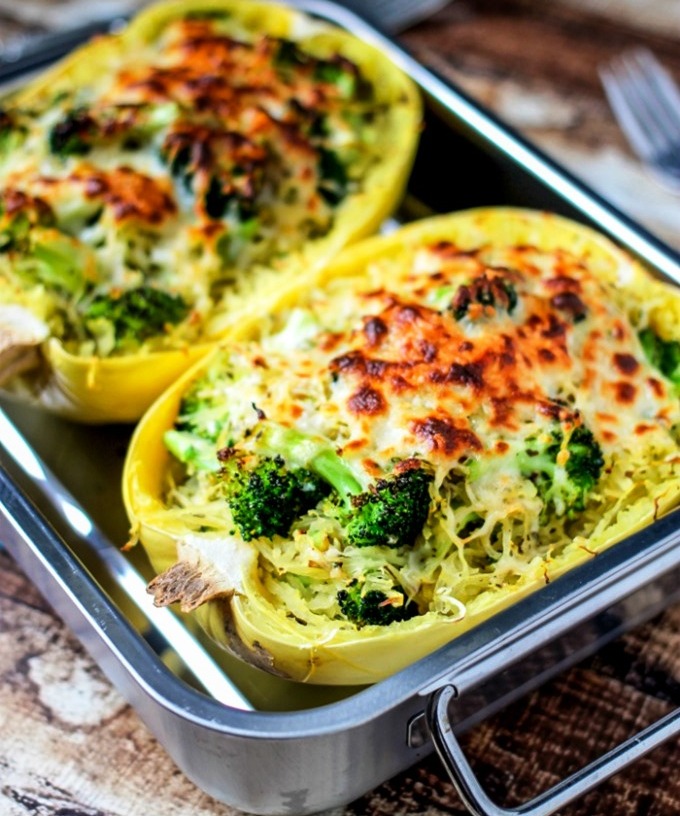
(505, 344)
(513, 378)
(129, 194)
(465, 352)
(218, 149)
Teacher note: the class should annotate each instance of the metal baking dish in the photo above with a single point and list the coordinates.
(270, 746)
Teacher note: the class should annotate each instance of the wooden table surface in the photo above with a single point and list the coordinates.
(70, 746)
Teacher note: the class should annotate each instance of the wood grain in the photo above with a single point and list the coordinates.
(70, 746)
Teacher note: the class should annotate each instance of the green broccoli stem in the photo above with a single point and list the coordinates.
(533, 461)
(55, 260)
(303, 451)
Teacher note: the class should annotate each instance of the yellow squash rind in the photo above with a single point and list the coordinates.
(245, 622)
(93, 389)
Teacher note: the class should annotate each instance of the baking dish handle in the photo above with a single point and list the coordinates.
(571, 788)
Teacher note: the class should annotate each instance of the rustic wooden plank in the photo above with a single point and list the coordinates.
(69, 744)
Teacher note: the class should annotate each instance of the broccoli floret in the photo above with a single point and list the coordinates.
(80, 130)
(137, 314)
(12, 132)
(264, 495)
(289, 55)
(373, 607)
(222, 199)
(391, 512)
(57, 261)
(303, 473)
(14, 233)
(285, 473)
(20, 213)
(486, 291)
(334, 181)
(216, 200)
(664, 355)
(563, 485)
(338, 72)
(192, 449)
(178, 158)
(288, 58)
(192, 415)
(40, 253)
(225, 172)
(73, 135)
(194, 437)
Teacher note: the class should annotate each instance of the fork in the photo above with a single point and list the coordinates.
(646, 103)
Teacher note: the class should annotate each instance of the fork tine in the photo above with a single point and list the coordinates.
(637, 135)
(651, 113)
(663, 82)
(646, 102)
(645, 77)
(643, 97)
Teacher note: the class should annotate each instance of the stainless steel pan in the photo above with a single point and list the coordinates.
(270, 746)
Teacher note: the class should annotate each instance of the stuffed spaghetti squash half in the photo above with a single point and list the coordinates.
(445, 420)
(163, 179)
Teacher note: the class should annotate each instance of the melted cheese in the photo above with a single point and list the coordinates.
(217, 150)
(459, 359)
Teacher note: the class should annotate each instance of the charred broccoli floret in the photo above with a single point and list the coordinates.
(73, 135)
(288, 54)
(341, 73)
(563, 470)
(41, 253)
(391, 512)
(485, 290)
(19, 215)
(373, 607)
(222, 198)
(664, 355)
(265, 497)
(137, 314)
(81, 130)
(288, 58)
